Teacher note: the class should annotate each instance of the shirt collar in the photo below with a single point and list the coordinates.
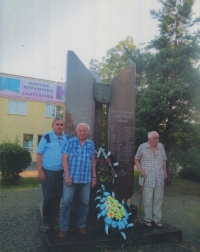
(79, 141)
(55, 136)
(147, 145)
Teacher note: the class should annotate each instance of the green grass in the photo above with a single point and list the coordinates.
(136, 178)
(178, 185)
(23, 183)
(183, 186)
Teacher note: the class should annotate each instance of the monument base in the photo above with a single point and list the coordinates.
(96, 238)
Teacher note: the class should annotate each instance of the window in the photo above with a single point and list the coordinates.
(39, 138)
(28, 141)
(53, 111)
(16, 107)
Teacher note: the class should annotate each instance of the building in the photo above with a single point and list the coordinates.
(28, 106)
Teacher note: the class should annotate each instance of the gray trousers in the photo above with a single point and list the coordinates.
(152, 203)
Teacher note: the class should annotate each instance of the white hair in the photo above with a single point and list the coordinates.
(150, 134)
(85, 124)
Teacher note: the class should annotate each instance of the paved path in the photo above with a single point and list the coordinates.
(20, 229)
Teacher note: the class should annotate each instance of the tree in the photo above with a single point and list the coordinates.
(117, 59)
(167, 103)
(167, 79)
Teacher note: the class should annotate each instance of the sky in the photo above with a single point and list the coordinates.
(35, 35)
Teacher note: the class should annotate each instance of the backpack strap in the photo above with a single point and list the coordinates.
(47, 138)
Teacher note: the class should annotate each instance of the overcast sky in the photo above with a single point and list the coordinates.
(35, 35)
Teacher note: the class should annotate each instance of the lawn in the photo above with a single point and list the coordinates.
(23, 183)
(177, 185)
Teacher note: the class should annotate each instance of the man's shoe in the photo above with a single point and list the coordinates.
(82, 231)
(62, 234)
(158, 224)
(148, 224)
(45, 227)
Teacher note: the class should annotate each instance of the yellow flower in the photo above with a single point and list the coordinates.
(116, 209)
(122, 212)
(108, 207)
(118, 216)
(115, 204)
(110, 214)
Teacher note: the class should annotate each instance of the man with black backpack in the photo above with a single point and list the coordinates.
(50, 171)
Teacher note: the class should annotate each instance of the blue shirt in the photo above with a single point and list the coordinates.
(52, 152)
(80, 159)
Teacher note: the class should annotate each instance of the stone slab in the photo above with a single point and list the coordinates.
(139, 235)
(97, 238)
(79, 98)
(121, 128)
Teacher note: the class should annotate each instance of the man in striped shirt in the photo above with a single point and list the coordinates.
(79, 172)
(150, 160)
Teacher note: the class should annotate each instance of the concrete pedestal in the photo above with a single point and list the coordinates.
(96, 238)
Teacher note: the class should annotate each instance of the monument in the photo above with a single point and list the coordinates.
(84, 99)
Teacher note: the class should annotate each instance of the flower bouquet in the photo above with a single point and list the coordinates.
(106, 166)
(113, 213)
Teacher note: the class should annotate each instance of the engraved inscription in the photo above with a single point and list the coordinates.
(121, 137)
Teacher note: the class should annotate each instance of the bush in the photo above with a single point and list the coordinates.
(190, 163)
(192, 174)
(14, 160)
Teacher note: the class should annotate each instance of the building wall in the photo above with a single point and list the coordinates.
(34, 122)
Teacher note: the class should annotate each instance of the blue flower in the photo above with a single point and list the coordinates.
(126, 217)
(104, 212)
(103, 200)
(121, 225)
(102, 206)
(106, 194)
(108, 221)
(125, 221)
(114, 224)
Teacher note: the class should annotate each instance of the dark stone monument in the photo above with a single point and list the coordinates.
(79, 98)
(121, 128)
(84, 98)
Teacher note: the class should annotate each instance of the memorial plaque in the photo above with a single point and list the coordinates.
(79, 98)
(120, 129)
(103, 93)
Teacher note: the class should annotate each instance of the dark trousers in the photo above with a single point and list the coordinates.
(52, 193)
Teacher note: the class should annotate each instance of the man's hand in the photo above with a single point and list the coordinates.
(41, 176)
(94, 182)
(142, 173)
(68, 180)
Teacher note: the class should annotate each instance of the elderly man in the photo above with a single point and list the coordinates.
(50, 171)
(79, 172)
(150, 160)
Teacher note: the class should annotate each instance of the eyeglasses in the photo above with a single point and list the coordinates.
(57, 124)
